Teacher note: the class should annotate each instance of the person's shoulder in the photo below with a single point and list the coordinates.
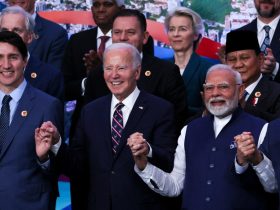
(154, 100)
(49, 25)
(249, 26)
(40, 97)
(98, 103)
(39, 66)
(85, 34)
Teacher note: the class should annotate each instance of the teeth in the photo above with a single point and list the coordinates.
(116, 83)
(6, 73)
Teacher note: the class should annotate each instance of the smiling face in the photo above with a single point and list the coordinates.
(247, 63)
(268, 8)
(11, 67)
(119, 73)
(221, 93)
(181, 34)
(27, 5)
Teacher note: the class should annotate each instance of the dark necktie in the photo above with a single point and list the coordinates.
(266, 41)
(117, 127)
(101, 48)
(4, 119)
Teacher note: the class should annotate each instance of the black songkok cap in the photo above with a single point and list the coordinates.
(242, 40)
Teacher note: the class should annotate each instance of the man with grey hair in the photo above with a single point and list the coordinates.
(204, 161)
(99, 147)
(39, 74)
(51, 38)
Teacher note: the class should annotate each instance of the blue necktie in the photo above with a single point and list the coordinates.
(117, 127)
(4, 119)
(266, 41)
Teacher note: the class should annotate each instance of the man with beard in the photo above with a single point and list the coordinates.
(204, 161)
(267, 27)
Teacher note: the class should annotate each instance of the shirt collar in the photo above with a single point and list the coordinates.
(272, 24)
(16, 93)
(128, 101)
(252, 86)
(100, 33)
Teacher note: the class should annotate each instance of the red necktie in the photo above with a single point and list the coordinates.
(101, 48)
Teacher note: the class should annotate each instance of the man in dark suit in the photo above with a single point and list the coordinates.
(158, 77)
(50, 38)
(25, 182)
(268, 15)
(243, 54)
(39, 74)
(101, 145)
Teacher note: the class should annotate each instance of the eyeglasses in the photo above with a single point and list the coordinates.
(223, 87)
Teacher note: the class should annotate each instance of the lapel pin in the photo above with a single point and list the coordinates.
(258, 94)
(148, 73)
(140, 107)
(33, 75)
(24, 113)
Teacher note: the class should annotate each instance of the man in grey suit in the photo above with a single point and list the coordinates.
(25, 181)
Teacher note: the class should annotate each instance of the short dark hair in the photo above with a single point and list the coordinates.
(133, 13)
(15, 40)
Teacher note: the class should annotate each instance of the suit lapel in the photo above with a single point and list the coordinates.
(135, 116)
(275, 42)
(191, 69)
(258, 94)
(25, 106)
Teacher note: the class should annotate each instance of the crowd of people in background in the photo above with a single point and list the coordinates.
(146, 133)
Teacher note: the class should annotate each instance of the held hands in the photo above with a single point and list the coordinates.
(45, 136)
(139, 149)
(247, 151)
(91, 60)
(269, 62)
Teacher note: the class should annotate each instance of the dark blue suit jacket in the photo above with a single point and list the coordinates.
(274, 44)
(51, 42)
(113, 184)
(24, 185)
(44, 77)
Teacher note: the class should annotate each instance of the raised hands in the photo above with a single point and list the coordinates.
(269, 62)
(247, 151)
(139, 148)
(45, 136)
(91, 60)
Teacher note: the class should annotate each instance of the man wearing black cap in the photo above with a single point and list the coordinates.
(267, 27)
(262, 96)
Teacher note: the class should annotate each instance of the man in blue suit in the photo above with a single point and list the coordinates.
(25, 182)
(39, 74)
(50, 40)
(106, 157)
(268, 15)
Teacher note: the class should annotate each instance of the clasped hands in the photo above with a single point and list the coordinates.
(139, 149)
(45, 136)
(247, 151)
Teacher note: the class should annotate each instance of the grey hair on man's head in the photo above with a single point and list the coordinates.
(227, 68)
(136, 57)
(29, 21)
(198, 26)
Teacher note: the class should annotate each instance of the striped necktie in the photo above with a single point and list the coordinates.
(117, 127)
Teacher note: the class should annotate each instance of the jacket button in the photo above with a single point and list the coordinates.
(112, 172)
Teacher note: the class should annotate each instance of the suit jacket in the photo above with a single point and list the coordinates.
(24, 185)
(264, 101)
(158, 77)
(194, 78)
(274, 44)
(44, 77)
(113, 184)
(50, 44)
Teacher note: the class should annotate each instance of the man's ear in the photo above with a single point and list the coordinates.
(146, 37)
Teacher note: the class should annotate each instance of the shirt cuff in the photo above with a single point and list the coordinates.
(45, 165)
(83, 85)
(238, 168)
(275, 71)
(55, 147)
(262, 165)
(150, 154)
(146, 173)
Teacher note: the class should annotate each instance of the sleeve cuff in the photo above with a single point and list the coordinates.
(238, 168)
(56, 147)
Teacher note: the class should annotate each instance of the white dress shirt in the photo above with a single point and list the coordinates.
(251, 87)
(171, 184)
